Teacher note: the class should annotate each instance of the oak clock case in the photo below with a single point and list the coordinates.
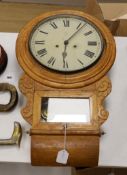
(65, 54)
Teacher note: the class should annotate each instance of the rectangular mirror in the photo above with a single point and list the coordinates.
(65, 110)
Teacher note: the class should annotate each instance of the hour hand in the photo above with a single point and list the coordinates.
(64, 54)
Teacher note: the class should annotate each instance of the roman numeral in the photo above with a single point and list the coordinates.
(42, 52)
(40, 42)
(43, 32)
(92, 43)
(78, 25)
(51, 61)
(66, 23)
(88, 33)
(89, 54)
(53, 24)
(80, 62)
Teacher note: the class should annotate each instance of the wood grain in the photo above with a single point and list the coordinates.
(83, 150)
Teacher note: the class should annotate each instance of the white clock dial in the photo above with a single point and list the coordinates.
(66, 43)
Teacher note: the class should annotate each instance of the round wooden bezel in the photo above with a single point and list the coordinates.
(58, 80)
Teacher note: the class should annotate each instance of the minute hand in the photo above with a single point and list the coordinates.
(75, 33)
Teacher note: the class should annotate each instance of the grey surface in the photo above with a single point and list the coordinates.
(27, 169)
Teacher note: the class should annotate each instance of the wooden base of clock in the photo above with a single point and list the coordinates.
(47, 139)
(83, 150)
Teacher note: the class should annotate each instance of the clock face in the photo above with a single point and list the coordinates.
(66, 43)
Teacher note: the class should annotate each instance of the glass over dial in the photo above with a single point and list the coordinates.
(66, 43)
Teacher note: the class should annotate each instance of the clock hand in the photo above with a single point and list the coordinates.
(64, 54)
(67, 41)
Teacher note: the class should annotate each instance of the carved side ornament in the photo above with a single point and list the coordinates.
(103, 90)
(26, 85)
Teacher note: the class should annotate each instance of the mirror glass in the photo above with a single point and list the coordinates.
(65, 110)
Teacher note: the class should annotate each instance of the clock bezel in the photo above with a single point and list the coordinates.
(54, 79)
(66, 16)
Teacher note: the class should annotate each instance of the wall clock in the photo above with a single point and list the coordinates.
(65, 56)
